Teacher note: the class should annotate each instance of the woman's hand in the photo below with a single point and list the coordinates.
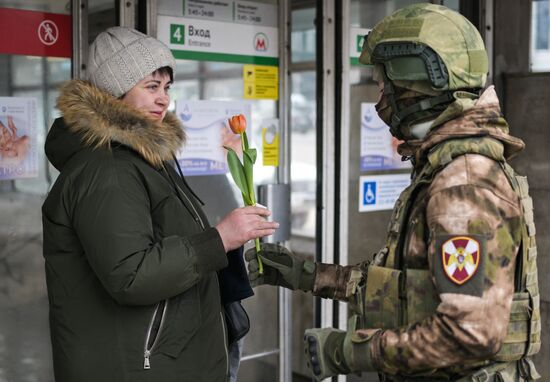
(244, 224)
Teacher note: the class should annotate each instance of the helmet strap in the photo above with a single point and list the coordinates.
(425, 104)
(389, 92)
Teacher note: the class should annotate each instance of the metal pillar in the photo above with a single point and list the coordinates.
(127, 13)
(80, 37)
(326, 156)
(487, 23)
(283, 176)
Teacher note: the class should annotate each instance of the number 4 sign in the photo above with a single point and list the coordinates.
(177, 34)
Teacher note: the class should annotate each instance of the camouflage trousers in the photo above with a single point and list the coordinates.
(517, 371)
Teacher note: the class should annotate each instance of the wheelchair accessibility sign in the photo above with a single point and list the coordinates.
(379, 192)
(369, 193)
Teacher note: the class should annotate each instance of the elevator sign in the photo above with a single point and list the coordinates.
(34, 33)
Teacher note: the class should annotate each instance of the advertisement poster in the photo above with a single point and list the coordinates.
(378, 146)
(18, 154)
(205, 123)
(380, 192)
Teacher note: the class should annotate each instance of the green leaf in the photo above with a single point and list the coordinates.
(237, 172)
(249, 174)
(252, 154)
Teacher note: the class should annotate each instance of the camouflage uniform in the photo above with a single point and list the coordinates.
(445, 328)
(453, 295)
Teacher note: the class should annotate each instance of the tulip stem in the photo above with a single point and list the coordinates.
(253, 199)
(260, 265)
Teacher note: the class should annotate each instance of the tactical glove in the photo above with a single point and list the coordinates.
(281, 267)
(330, 352)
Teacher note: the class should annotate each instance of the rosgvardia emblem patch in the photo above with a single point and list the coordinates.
(460, 258)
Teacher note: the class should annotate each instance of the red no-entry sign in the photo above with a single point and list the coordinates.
(35, 33)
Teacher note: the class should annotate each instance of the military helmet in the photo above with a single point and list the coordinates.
(428, 42)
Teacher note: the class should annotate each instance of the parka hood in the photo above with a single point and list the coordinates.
(479, 118)
(92, 118)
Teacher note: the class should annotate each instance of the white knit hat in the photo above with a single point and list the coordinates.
(120, 57)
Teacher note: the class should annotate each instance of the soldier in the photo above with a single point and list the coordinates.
(453, 295)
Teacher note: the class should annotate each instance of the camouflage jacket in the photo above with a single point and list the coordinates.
(469, 204)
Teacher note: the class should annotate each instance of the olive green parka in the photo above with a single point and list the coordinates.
(130, 259)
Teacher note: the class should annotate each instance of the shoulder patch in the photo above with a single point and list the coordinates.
(458, 265)
(460, 258)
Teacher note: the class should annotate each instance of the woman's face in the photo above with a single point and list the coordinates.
(150, 95)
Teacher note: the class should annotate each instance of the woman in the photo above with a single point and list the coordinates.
(131, 261)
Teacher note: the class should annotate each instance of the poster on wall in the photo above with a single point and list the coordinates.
(378, 146)
(260, 82)
(270, 142)
(205, 124)
(18, 154)
(380, 192)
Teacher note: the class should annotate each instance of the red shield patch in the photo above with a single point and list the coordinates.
(460, 258)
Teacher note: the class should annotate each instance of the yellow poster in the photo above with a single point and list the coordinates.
(270, 143)
(261, 82)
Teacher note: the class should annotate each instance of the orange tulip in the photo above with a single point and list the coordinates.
(237, 123)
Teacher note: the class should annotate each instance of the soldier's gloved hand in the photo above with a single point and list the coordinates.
(281, 267)
(331, 352)
(325, 352)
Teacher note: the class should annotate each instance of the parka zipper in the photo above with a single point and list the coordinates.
(179, 192)
(147, 350)
(224, 335)
(193, 207)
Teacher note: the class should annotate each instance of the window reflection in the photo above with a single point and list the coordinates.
(540, 36)
(303, 135)
(304, 159)
(303, 35)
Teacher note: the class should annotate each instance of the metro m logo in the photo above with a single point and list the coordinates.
(261, 42)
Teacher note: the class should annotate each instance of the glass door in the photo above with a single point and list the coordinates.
(35, 57)
(217, 46)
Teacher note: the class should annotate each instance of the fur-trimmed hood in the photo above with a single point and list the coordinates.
(94, 118)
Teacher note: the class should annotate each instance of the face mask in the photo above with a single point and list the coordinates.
(384, 110)
(403, 99)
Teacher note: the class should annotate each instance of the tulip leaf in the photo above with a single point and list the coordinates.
(249, 174)
(238, 173)
(252, 154)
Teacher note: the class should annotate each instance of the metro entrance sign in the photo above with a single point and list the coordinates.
(34, 33)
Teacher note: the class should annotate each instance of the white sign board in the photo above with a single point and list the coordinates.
(380, 192)
(236, 11)
(18, 151)
(378, 146)
(212, 40)
(205, 124)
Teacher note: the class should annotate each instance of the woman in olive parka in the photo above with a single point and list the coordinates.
(131, 260)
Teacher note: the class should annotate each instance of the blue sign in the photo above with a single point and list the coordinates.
(369, 193)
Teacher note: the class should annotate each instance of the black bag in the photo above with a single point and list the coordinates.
(236, 320)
